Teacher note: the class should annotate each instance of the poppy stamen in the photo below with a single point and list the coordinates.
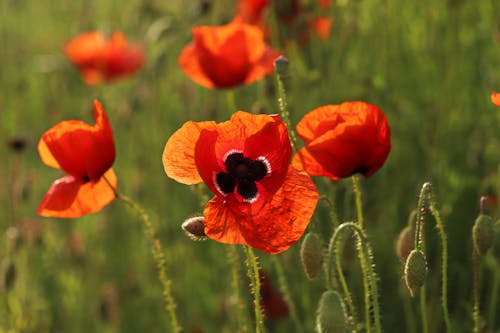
(242, 173)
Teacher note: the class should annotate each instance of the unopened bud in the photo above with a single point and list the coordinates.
(281, 66)
(331, 314)
(311, 255)
(405, 242)
(415, 271)
(195, 228)
(483, 234)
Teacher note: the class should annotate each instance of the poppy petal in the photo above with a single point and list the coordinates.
(304, 160)
(66, 145)
(317, 122)
(190, 64)
(178, 155)
(102, 150)
(278, 225)
(263, 67)
(70, 197)
(495, 98)
(86, 49)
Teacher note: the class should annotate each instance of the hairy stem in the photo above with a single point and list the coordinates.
(158, 256)
(253, 272)
(369, 275)
(476, 314)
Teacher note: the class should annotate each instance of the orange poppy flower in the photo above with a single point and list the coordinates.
(85, 153)
(322, 26)
(342, 140)
(260, 200)
(251, 11)
(495, 98)
(100, 59)
(228, 55)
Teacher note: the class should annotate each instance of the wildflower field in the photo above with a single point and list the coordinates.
(250, 166)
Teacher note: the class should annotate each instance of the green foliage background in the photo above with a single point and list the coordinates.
(430, 66)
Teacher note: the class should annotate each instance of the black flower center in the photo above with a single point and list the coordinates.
(242, 173)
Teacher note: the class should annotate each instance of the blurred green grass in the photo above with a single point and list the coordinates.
(430, 65)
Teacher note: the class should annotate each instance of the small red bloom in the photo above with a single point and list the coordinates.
(495, 98)
(85, 153)
(344, 139)
(260, 200)
(228, 55)
(101, 59)
(251, 11)
(273, 303)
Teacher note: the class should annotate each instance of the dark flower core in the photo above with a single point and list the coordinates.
(242, 173)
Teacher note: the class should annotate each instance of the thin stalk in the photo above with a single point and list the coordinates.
(158, 256)
(369, 275)
(231, 101)
(285, 290)
(476, 312)
(253, 272)
(284, 113)
(241, 318)
(444, 259)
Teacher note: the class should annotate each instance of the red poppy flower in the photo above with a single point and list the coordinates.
(341, 140)
(495, 98)
(228, 55)
(321, 27)
(85, 153)
(101, 59)
(251, 11)
(260, 200)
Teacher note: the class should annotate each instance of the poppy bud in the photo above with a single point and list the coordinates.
(483, 234)
(311, 255)
(415, 271)
(331, 316)
(405, 242)
(281, 66)
(195, 228)
(9, 275)
(496, 245)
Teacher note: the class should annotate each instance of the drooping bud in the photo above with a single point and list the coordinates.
(483, 234)
(281, 66)
(311, 255)
(195, 228)
(405, 242)
(415, 271)
(331, 315)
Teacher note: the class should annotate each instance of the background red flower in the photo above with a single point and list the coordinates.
(85, 153)
(101, 59)
(344, 139)
(228, 55)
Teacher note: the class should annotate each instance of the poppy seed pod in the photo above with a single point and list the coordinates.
(483, 234)
(331, 314)
(405, 242)
(415, 271)
(195, 228)
(311, 255)
(281, 66)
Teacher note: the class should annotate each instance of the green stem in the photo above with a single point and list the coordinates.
(334, 255)
(285, 290)
(369, 275)
(241, 318)
(158, 256)
(253, 272)
(423, 309)
(231, 101)
(476, 314)
(284, 113)
(444, 259)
